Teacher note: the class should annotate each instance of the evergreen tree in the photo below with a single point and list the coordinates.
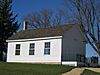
(8, 24)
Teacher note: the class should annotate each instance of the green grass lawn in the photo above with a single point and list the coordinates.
(32, 69)
(89, 72)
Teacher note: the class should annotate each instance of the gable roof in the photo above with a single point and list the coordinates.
(41, 32)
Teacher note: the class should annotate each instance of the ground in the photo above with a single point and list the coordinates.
(32, 69)
(83, 71)
(44, 69)
(89, 72)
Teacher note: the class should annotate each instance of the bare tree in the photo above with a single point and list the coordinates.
(88, 17)
(45, 18)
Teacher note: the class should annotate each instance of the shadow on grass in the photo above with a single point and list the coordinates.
(89, 72)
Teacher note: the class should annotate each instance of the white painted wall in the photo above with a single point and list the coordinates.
(55, 51)
(71, 63)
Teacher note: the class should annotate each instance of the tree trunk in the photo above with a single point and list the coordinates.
(1, 55)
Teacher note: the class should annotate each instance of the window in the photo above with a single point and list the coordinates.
(31, 50)
(17, 51)
(80, 58)
(47, 48)
(94, 59)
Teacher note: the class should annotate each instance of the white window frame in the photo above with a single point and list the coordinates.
(47, 48)
(32, 49)
(17, 50)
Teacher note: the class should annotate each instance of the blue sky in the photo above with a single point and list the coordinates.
(24, 7)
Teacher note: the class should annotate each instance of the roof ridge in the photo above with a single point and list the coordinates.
(56, 26)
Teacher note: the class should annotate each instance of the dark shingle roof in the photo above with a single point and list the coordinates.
(41, 32)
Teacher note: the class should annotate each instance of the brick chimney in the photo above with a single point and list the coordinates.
(25, 25)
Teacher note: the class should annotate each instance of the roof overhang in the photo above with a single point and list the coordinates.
(35, 39)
